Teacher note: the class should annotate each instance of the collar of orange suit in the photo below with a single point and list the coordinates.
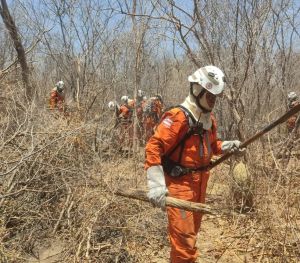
(204, 118)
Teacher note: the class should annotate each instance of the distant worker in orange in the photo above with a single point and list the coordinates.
(140, 103)
(293, 122)
(183, 143)
(125, 118)
(126, 109)
(57, 97)
(152, 112)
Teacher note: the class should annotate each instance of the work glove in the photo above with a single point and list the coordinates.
(233, 147)
(157, 186)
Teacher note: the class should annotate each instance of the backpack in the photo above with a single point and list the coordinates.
(173, 168)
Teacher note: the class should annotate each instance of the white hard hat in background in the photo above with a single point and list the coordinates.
(124, 99)
(111, 105)
(292, 96)
(60, 85)
(140, 93)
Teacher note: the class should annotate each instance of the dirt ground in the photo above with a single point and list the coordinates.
(142, 237)
(215, 242)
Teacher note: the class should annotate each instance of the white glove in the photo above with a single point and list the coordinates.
(157, 186)
(232, 146)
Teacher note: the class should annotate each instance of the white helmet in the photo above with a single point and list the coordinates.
(140, 93)
(124, 99)
(111, 105)
(210, 78)
(60, 85)
(292, 96)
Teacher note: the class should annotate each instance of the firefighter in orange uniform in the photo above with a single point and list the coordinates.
(293, 121)
(126, 109)
(57, 97)
(152, 112)
(125, 117)
(140, 104)
(184, 141)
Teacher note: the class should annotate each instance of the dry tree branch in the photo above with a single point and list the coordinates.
(69, 197)
(12, 194)
(16, 60)
(174, 202)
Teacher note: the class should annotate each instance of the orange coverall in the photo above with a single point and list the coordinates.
(57, 100)
(126, 128)
(291, 122)
(125, 112)
(151, 118)
(140, 114)
(183, 225)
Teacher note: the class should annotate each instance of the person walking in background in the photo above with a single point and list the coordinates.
(293, 122)
(140, 104)
(152, 112)
(183, 143)
(57, 97)
(126, 122)
(291, 147)
(126, 109)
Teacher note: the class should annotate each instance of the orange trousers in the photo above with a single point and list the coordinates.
(183, 225)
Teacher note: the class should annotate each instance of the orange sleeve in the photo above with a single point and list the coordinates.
(171, 128)
(216, 144)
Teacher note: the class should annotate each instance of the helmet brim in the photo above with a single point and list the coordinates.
(214, 89)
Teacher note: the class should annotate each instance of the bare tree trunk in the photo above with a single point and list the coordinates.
(137, 74)
(78, 73)
(13, 31)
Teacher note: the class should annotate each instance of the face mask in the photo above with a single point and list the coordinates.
(208, 101)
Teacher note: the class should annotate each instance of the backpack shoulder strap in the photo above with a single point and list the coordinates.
(188, 114)
(192, 120)
(190, 132)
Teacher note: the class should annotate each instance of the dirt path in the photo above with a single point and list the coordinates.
(215, 245)
(217, 240)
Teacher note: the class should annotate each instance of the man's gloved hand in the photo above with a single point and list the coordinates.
(233, 147)
(157, 186)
